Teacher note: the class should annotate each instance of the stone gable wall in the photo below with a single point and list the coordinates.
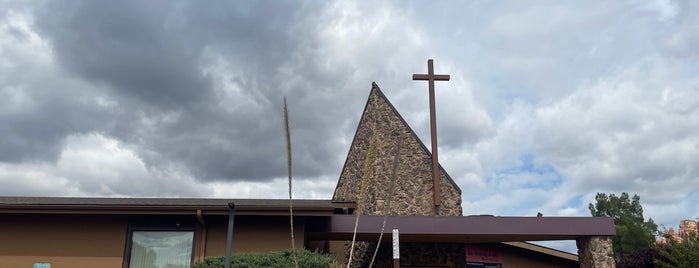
(413, 192)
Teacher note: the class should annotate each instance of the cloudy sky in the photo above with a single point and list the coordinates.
(549, 103)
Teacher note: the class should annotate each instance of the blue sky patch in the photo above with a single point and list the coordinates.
(530, 174)
(575, 202)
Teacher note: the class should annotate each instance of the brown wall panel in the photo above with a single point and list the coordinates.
(253, 234)
(62, 240)
(60, 262)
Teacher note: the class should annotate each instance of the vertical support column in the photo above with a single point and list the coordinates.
(596, 252)
(229, 237)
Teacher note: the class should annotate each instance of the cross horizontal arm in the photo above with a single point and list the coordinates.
(437, 77)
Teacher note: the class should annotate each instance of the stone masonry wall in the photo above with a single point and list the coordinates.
(596, 252)
(412, 193)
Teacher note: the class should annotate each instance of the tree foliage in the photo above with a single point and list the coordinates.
(679, 254)
(633, 233)
(640, 259)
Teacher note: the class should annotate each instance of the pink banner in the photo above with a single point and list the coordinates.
(481, 254)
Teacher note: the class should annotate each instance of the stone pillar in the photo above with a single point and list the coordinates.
(596, 252)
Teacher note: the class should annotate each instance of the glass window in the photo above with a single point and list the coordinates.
(161, 249)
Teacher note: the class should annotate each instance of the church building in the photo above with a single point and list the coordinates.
(387, 180)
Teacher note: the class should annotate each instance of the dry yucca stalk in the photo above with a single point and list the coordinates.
(389, 196)
(368, 170)
(291, 204)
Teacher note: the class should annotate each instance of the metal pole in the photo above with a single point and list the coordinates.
(396, 249)
(229, 241)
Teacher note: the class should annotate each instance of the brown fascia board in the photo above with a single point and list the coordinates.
(159, 206)
(463, 229)
(374, 86)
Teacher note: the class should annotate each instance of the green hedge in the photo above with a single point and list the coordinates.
(275, 259)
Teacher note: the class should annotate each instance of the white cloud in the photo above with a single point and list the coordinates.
(19, 41)
(34, 180)
(277, 188)
(665, 9)
(95, 165)
(616, 134)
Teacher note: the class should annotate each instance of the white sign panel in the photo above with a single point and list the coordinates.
(396, 244)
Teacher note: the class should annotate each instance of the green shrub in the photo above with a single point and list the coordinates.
(275, 259)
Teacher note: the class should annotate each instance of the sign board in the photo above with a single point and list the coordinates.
(42, 265)
(482, 257)
(482, 254)
(396, 244)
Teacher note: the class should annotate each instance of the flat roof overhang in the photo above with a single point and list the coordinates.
(167, 206)
(461, 229)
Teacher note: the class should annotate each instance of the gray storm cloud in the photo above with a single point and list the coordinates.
(152, 60)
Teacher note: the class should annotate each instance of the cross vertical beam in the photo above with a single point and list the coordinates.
(431, 77)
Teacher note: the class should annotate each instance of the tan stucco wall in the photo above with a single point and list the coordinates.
(253, 234)
(76, 241)
(64, 241)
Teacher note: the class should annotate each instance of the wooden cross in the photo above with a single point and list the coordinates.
(431, 77)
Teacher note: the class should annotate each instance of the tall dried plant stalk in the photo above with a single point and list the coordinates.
(291, 203)
(368, 170)
(389, 196)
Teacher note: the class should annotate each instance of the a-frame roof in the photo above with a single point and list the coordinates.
(377, 95)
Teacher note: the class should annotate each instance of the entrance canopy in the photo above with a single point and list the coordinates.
(461, 229)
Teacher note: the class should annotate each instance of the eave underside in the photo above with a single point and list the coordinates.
(469, 229)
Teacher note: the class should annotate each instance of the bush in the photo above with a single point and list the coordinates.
(275, 259)
(639, 259)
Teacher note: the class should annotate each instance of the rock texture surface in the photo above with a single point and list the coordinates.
(596, 251)
(412, 192)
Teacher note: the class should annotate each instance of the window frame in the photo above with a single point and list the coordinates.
(160, 224)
